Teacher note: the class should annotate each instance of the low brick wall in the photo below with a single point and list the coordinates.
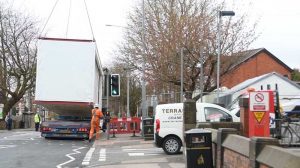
(274, 156)
(16, 124)
(236, 150)
(231, 151)
(217, 125)
(2, 124)
(234, 159)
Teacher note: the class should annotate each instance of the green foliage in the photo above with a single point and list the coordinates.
(296, 75)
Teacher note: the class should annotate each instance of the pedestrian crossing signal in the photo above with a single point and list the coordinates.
(115, 85)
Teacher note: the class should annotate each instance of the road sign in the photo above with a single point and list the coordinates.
(259, 115)
(260, 106)
(259, 101)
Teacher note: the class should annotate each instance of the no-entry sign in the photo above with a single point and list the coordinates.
(259, 101)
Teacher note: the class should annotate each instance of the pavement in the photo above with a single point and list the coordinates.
(127, 141)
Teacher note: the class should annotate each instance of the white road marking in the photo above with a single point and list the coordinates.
(143, 154)
(88, 156)
(146, 149)
(136, 154)
(102, 156)
(69, 156)
(151, 154)
(22, 136)
(7, 146)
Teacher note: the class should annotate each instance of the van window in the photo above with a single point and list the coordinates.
(214, 114)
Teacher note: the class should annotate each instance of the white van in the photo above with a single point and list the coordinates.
(168, 122)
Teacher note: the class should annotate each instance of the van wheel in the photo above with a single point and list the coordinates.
(171, 145)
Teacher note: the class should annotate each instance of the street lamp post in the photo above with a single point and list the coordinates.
(126, 69)
(201, 73)
(144, 110)
(106, 70)
(111, 25)
(128, 100)
(181, 75)
(128, 113)
(220, 14)
(144, 64)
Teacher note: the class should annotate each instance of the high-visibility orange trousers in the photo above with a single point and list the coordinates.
(94, 126)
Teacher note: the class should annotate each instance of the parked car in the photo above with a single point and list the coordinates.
(292, 109)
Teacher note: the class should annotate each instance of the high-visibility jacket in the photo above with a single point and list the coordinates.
(37, 118)
(96, 115)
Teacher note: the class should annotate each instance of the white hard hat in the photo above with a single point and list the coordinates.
(96, 105)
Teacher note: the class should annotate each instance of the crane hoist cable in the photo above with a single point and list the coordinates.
(68, 18)
(87, 12)
(88, 15)
(49, 16)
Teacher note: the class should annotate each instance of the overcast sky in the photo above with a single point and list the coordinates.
(279, 23)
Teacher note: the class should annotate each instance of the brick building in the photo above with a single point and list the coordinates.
(250, 64)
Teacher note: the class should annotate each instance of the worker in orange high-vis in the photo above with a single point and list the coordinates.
(95, 122)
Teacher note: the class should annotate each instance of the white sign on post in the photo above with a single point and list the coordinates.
(259, 101)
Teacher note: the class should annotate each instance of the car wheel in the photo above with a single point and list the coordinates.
(171, 145)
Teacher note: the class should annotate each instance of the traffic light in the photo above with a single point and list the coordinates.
(115, 84)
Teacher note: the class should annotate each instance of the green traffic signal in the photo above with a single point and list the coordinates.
(115, 85)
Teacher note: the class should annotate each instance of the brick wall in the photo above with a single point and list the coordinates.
(2, 124)
(214, 153)
(234, 159)
(234, 151)
(263, 166)
(256, 66)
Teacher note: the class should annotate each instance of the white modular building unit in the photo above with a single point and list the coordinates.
(69, 76)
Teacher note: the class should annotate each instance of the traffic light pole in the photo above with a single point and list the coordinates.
(107, 90)
(107, 101)
(128, 111)
(144, 110)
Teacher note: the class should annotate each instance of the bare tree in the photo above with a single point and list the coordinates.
(17, 56)
(188, 24)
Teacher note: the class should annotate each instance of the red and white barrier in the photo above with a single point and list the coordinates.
(125, 125)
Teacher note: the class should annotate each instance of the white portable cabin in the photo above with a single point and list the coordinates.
(69, 76)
